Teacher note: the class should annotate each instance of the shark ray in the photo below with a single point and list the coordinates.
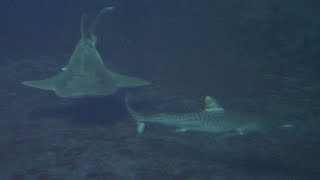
(85, 75)
(213, 119)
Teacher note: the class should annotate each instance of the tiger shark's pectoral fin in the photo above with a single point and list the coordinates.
(127, 81)
(46, 84)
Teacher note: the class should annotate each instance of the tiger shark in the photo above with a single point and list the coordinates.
(213, 119)
(85, 75)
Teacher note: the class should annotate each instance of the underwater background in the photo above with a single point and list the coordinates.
(252, 56)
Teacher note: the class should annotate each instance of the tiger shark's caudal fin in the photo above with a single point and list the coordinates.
(135, 115)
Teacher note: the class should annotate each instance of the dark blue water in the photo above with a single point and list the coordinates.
(252, 56)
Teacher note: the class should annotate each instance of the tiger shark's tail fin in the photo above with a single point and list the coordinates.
(136, 116)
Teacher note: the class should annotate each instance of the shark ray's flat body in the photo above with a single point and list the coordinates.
(85, 74)
(213, 119)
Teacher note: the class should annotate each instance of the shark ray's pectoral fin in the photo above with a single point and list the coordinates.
(127, 81)
(46, 84)
(140, 127)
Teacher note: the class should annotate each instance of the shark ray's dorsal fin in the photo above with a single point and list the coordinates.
(211, 105)
(88, 37)
(84, 26)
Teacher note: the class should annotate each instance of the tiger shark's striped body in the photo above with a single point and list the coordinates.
(212, 119)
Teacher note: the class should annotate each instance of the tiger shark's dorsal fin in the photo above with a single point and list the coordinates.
(211, 105)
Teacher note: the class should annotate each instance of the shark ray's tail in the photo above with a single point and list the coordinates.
(98, 18)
